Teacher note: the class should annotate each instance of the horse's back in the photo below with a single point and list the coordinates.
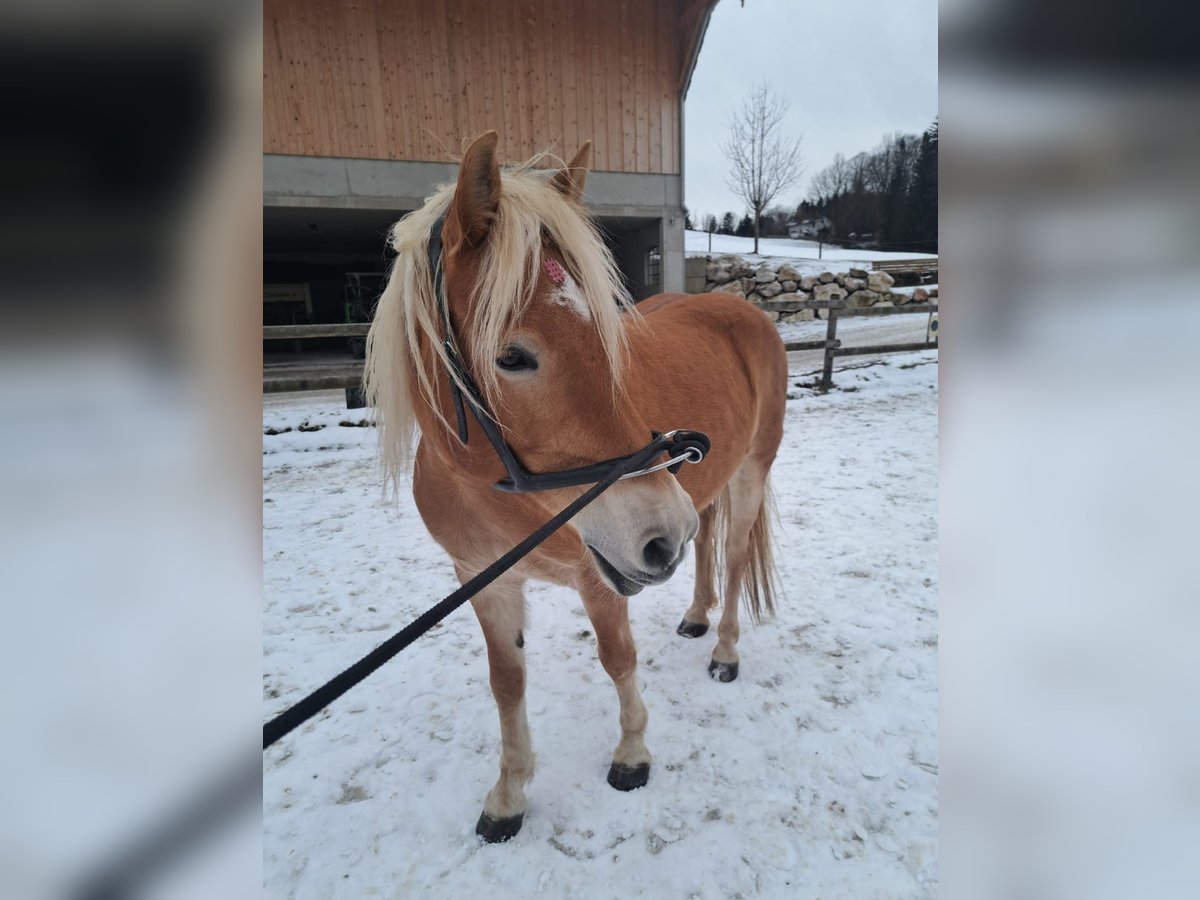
(712, 310)
(707, 321)
(717, 362)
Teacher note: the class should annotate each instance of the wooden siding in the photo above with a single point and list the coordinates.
(416, 79)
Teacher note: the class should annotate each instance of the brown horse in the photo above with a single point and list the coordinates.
(573, 373)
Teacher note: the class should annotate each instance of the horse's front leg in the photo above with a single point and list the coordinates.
(501, 612)
(695, 620)
(609, 613)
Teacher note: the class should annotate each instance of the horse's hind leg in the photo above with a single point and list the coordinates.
(501, 612)
(746, 494)
(609, 613)
(695, 620)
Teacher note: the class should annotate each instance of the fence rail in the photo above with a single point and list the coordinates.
(313, 380)
(810, 345)
(350, 376)
(299, 332)
(797, 305)
(907, 309)
(886, 348)
(919, 265)
(832, 346)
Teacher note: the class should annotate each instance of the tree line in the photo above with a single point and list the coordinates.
(886, 197)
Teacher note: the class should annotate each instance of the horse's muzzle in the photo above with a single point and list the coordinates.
(629, 584)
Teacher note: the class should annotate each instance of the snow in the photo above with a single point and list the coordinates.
(802, 254)
(813, 774)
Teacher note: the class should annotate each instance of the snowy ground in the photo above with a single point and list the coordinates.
(803, 254)
(813, 775)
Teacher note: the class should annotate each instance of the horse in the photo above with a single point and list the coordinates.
(572, 371)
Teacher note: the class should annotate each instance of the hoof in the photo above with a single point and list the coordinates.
(497, 831)
(720, 671)
(691, 629)
(629, 778)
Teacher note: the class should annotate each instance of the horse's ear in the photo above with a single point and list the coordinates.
(569, 181)
(477, 196)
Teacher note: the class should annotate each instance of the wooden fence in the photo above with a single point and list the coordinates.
(311, 377)
(333, 330)
(838, 310)
(922, 267)
(349, 374)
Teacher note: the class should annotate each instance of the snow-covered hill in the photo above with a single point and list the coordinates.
(696, 244)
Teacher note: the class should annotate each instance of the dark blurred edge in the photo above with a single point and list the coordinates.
(105, 139)
(133, 871)
(118, 122)
(1069, 197)
(1029, 37)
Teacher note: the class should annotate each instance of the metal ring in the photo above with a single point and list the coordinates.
(691, 455)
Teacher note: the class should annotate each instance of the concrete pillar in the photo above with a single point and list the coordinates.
(694, 268)
(672, 235)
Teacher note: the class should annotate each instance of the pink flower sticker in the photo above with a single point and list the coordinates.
(555, 271)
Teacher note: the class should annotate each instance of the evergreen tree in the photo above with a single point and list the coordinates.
(924, 193)
(687, 220)
(727, 224)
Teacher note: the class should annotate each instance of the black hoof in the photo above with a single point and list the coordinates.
(722, 671)
(691, 629)
(628, 778)
(497, 831)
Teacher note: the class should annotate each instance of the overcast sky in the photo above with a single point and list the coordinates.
(854, 70)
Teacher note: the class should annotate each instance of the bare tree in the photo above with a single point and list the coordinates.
(832, 181)
(763, 161)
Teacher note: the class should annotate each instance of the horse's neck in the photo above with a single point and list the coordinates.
(474, 464)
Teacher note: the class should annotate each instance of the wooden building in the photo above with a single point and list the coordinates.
(367, 103)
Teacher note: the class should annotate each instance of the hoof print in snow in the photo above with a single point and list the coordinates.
(720, 671)
(352, 793)
(691, 629)
(628, 778)
(497, 831)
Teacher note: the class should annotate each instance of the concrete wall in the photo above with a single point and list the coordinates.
(672, 241)
(694, 274)
(324, 182)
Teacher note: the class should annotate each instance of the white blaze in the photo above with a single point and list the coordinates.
(567, 294)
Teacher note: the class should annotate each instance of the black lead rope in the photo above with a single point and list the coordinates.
(296, 715)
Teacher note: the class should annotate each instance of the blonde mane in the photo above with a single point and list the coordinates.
(407, 315)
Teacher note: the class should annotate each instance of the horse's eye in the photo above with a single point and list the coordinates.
(514, 359)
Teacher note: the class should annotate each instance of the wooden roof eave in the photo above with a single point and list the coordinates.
(693, 22)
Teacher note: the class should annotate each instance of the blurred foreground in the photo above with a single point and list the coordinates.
(1070, 222)
(129, 502)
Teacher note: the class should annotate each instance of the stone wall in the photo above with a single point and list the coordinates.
(771, 286)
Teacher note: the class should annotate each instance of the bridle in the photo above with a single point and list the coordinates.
(682, 446)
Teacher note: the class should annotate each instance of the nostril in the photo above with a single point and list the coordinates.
(658, 554)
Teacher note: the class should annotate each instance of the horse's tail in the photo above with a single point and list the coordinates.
(760, 580)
